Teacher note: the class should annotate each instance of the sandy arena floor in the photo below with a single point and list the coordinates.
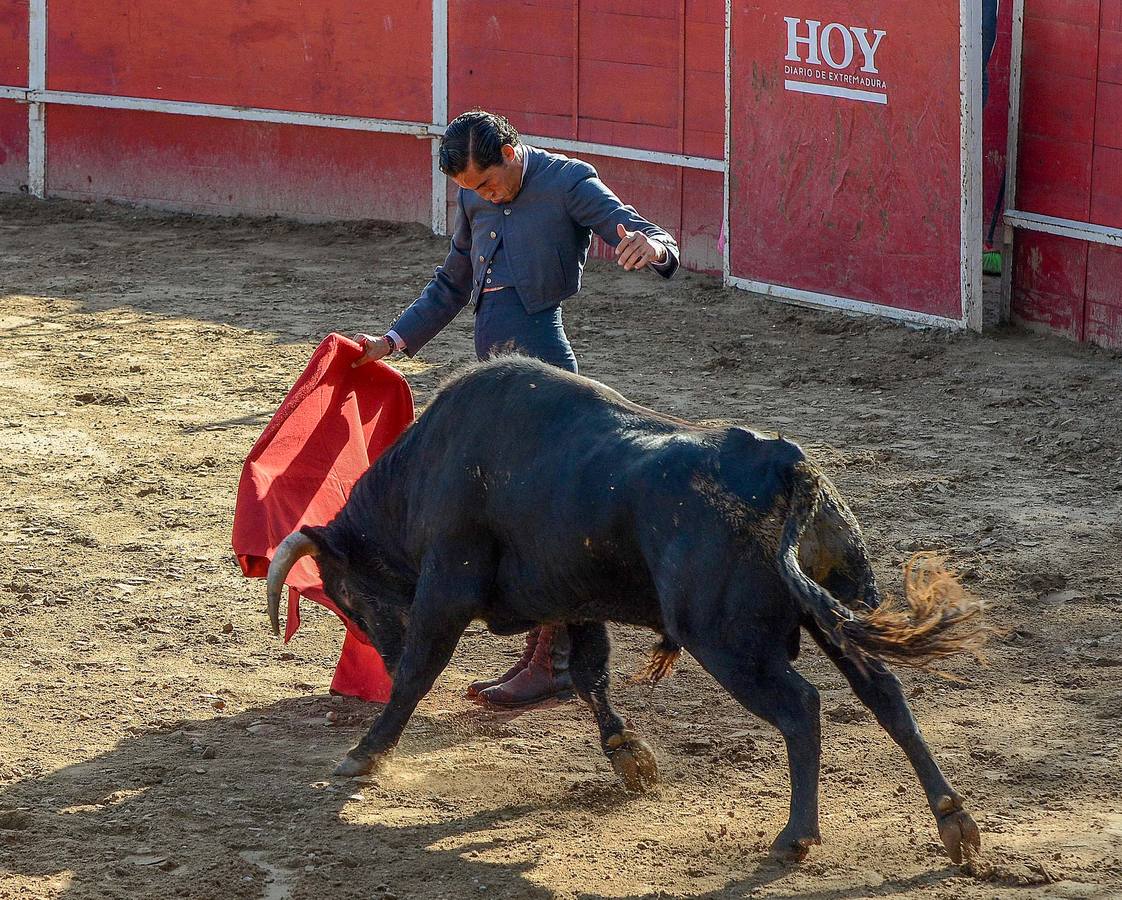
(157, 741)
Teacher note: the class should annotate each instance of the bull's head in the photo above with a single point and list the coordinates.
(353, 589)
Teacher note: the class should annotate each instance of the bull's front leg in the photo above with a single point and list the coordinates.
(629, 754)
(444, 605)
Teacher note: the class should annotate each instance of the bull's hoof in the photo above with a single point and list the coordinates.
(353, 765)
(791, 846)
(633, 760)
(957, 829)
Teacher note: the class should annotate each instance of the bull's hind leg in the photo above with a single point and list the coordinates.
(880, 691)
(629, 754)
(758, 674)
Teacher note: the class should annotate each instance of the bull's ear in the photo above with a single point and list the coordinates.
(321, 537)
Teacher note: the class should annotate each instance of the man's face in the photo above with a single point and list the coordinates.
(499, 183)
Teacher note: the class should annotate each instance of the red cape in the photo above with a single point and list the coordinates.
(332, 425)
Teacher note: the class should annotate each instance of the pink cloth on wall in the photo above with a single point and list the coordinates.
(333, 424)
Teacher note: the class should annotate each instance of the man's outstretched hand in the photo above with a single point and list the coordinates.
(636, 251)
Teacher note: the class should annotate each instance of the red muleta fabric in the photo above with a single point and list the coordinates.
(333, 424)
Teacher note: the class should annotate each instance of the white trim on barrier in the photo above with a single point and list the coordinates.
(239, 113)
(970, 163)
(13, 93)
(352, 123)
(36, 112)
(1070, 228)
(843, 304)
(439, 111)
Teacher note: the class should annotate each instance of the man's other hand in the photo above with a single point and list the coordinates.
(373, 348)
(635, 250)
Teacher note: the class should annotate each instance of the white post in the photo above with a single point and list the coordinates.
(725, 265)
(1011, 157)
(970, 61)
(36, 111)
(439, 111)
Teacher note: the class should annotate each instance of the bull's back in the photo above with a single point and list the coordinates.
(582, 491)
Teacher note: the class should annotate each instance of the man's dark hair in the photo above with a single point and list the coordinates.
(476, 136)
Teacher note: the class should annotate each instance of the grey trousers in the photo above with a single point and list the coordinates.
(502, 325)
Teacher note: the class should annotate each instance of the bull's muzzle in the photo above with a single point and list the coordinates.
(291, 549)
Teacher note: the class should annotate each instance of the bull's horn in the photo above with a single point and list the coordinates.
(292, 548)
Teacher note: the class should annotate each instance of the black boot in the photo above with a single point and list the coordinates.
(545, 678)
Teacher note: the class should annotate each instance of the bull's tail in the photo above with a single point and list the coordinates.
(937, 618)
(662, 660)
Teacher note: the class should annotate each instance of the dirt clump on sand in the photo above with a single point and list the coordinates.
(158, 742)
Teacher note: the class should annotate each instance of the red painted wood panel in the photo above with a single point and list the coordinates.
(13, 43)
(1104, 275)
(1058, 106)
(219, 166)
(705, 114)
(1110, 56)
(515, 59)
(1049, 276)
(707, 12)
(1103, 325)
(1104, 296)
(632, 38)
(1108, 115)
(1106, 204)
(843, 197)
(1053, 47)
(331, 56)
(705, 78)
(13, 146)
(1078, 12)
(629, 76)
(1054, 177)
(652, 9)
(703, 203)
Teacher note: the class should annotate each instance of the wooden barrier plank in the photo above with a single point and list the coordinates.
(13, 145)
(228, 167)
(13, 42)
(331, 56)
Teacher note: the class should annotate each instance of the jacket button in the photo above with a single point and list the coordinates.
(481, 259)
(493, 235)
(506, 212)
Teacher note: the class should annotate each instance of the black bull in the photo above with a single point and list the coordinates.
(525, 495)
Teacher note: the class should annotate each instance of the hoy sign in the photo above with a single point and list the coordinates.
(822, 59)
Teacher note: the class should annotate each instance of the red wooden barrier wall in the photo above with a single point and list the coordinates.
(331, 56)
(587, 70)
(594, 71)
(219, 166)
(1070, 167)
(846, 168)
